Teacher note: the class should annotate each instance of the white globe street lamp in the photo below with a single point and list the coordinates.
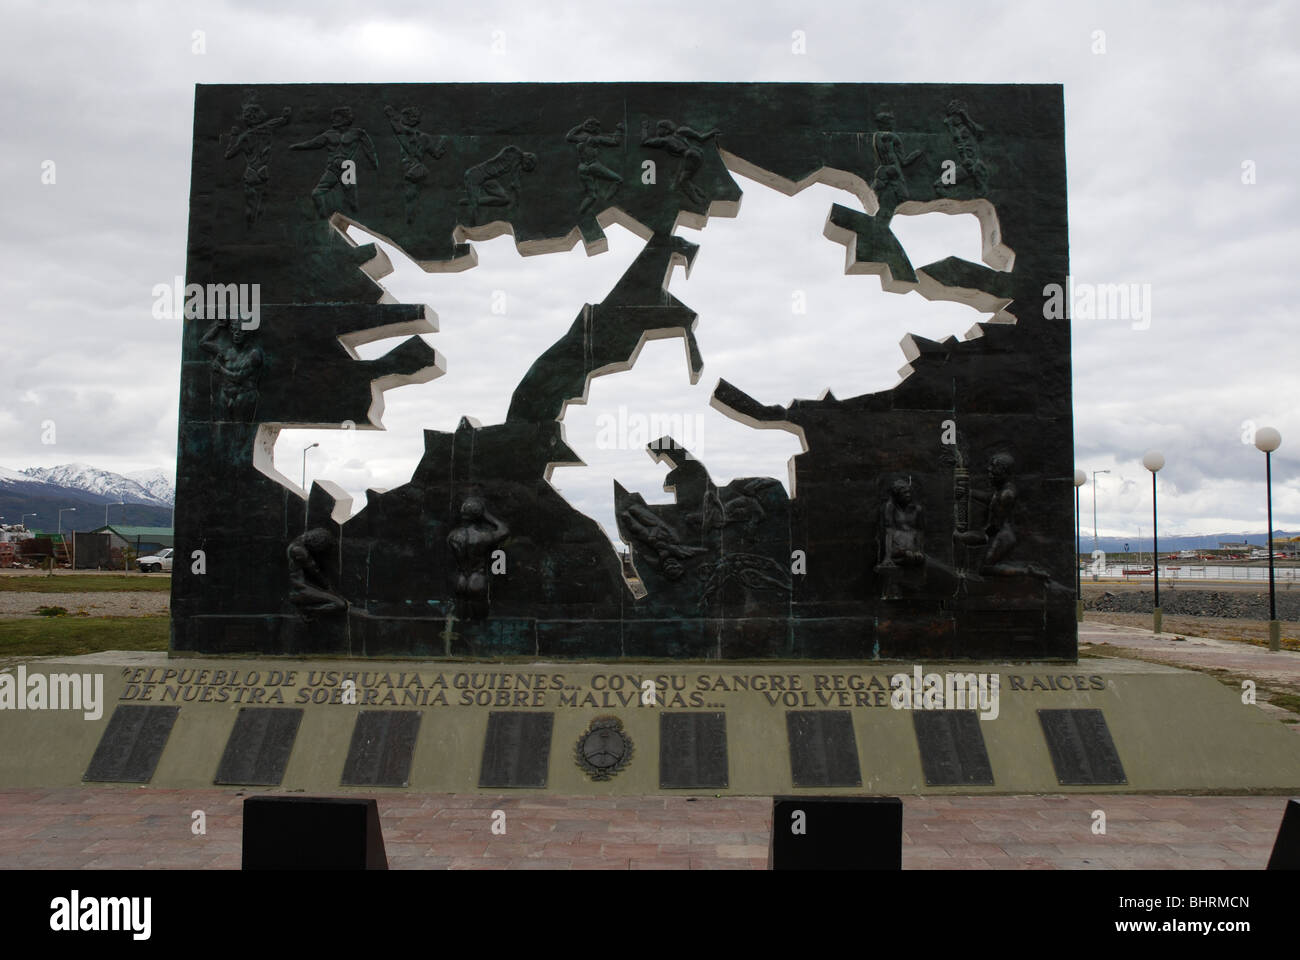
(1267, 439)
(1153, 461)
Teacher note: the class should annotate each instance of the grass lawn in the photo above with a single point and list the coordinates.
(69, 636)
(85, 583)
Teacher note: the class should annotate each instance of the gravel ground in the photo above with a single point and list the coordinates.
(1181, 601)
(101, 604)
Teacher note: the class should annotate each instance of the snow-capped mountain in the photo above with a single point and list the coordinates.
(80, 497)
(157, 481)
(153, 486)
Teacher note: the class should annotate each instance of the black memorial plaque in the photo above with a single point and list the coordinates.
(259, 747)
(128, 751)
(382, 744)
(1286, 848)
(823, 750)
(1082, 751)
(313, 833)
(952, 748)
(516, 750)
(836, 833)
(692, 750)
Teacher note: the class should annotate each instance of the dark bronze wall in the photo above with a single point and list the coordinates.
(930, 520)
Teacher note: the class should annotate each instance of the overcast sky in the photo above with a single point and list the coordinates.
(1170, 108)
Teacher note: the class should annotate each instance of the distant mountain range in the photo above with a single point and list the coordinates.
(1173, 544)
(146, 497)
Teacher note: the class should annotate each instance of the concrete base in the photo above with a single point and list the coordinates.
(1174, 730)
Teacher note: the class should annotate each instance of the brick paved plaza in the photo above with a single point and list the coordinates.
(124, 828)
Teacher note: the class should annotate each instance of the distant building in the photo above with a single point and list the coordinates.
(13, 532)
(1233, 547)
(143, 540)
(10, 536)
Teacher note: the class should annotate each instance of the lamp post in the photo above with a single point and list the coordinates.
(306, 493)
(119, 503)
(23, 522)
(1094, 513)
(1080, 478)
(1153, 461)
(62, 511)
(1268, 440)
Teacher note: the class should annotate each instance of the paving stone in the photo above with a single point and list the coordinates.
(115, 828)
(661, 863)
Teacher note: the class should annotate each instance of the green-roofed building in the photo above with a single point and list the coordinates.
(143, 540)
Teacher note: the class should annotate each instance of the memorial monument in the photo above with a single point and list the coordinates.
(931, 520)
(471, 631)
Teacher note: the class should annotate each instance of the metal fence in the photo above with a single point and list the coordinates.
(1284, 577)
